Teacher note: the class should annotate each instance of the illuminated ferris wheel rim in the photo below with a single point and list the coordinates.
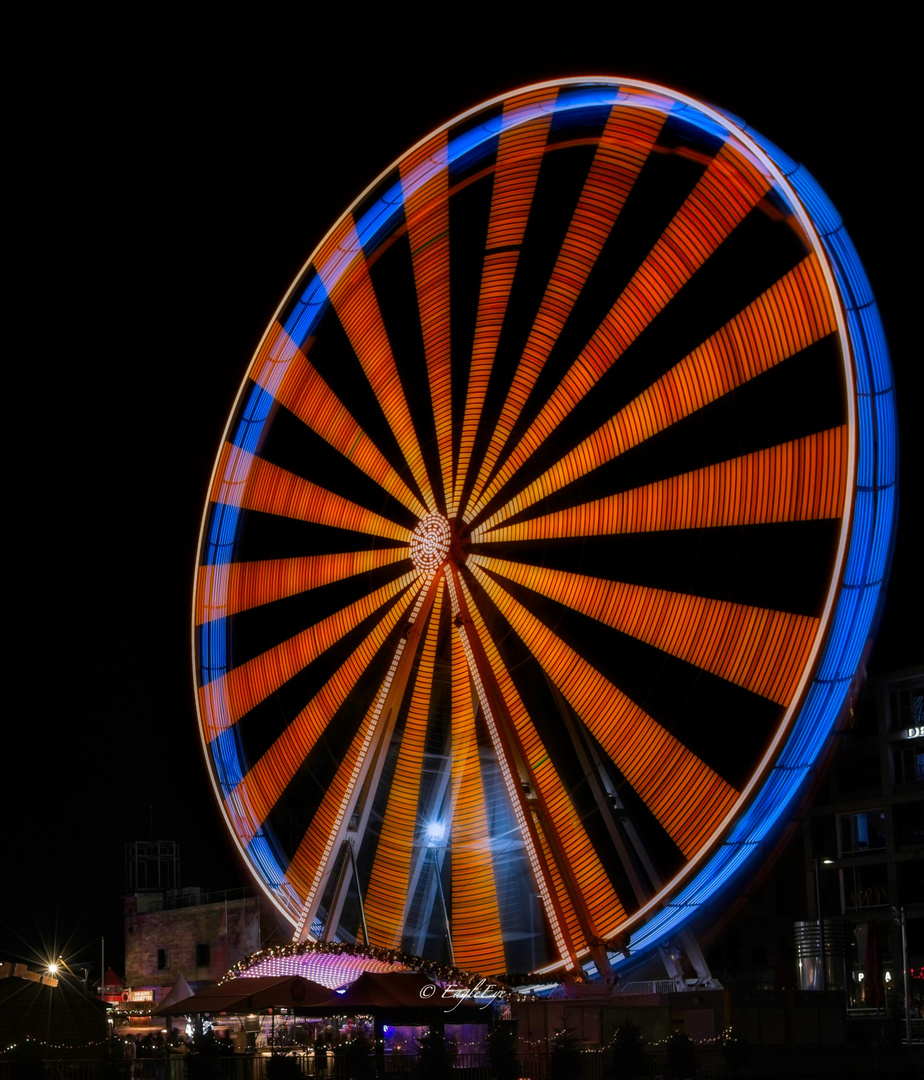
(821, 641)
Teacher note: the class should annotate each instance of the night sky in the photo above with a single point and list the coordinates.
(169, 182)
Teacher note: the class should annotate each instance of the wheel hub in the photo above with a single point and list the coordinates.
(431, 542)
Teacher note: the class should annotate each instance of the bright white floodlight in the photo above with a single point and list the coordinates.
(436, 831)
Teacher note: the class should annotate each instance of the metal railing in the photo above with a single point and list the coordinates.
(758, 1063)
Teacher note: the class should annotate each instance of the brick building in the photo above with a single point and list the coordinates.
(172, 931)
(190, 933)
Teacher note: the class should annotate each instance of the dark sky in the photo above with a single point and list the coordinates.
(169, 182)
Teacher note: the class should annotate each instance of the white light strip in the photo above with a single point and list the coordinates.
(347, 799)
(513, 790)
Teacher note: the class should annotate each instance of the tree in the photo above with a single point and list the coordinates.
(435, 1055)
(735, 1051)
(566, 1058)
(628, 1048)
(502, 1051)
(681, 1057)
(354, 1057)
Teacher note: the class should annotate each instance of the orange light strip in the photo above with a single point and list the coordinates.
(357, 307)
(792, 314)
(687, 797)
(541, 870)
(477, 940)
(388, 882)
(245, 480)
(283, 369)
(426, 209)
(624, 147)
(802, 480)
(259, 790)
(311, 861)
(228, 697)
(557, 883)
(224, 589)
(757, 648)
(603, 905)
(730, 187)
(519, 158)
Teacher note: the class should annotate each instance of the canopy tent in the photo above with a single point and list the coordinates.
(249, 995)
(180, 991)
(405, 996)
(403, 989)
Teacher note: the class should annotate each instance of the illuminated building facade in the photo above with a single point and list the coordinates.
(865, 833)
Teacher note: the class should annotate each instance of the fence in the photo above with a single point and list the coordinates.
(760, 1063)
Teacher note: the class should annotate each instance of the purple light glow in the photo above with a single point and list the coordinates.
(330, 971)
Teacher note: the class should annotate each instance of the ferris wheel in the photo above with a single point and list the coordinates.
(547, 534)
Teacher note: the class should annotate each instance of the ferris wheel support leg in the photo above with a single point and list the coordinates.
(609, 805)
(518, 778)
(356, 806)
(341, 887)
(420, 861)
(685, 946)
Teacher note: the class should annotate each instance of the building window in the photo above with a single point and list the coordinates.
(203, 954)
(908, 761)
(862, 832)
(866, 887)
(907, 708)
(163, 961)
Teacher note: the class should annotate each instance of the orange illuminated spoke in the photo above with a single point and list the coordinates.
(311, 860)
(688, 798)
(245, 480)
(426, 210)
(224, 589)
(254, 797)
(478, 942)
(361, 766)
(342, 268)
(558, 885)
(388, 883)
(519, 157)
(227, 698)
(762, 650)
(559, 917)
(283, 370)
(729, 188)
(627, 140)
(603, 905)
(791, 315)
(802, 480)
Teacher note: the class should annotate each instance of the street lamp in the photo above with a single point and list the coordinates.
(821, 922)
(898, 914)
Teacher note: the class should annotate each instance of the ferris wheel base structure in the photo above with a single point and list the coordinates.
(547, 537)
